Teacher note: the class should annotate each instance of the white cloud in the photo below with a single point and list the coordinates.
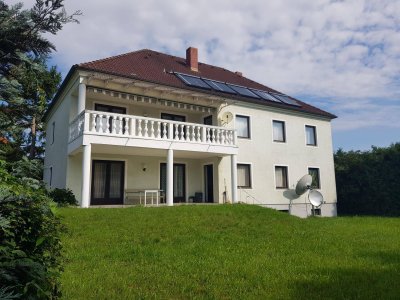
(341, 51)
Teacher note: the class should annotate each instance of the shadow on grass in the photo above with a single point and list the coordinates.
(378, 282)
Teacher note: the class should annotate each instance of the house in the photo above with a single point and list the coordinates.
(147, 127)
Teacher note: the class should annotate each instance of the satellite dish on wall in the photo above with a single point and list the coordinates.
(315, 198)
(303, 184)
(226, 118)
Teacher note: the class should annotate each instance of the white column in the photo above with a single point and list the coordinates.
(81, 97)
(234, 177)
(86, 162)
(170, 177)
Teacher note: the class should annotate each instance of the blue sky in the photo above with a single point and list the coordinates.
(341, 56)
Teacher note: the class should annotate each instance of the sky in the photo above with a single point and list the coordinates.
(341, 56)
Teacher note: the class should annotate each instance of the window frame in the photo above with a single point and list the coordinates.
(315, 135)
(249, 167)
(53, 129)
(285, 167)
(319, 177)
(248, 127)
(284, 131)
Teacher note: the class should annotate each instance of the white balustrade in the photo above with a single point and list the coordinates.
(111, 124)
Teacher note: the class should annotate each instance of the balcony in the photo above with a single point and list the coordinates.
(105, 128)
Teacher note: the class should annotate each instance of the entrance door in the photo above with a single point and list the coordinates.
(179, 181)
(209, 183)
(107, 182)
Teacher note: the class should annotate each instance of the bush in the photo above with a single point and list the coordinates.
(368, 182)
(63, 197)
(30, 246)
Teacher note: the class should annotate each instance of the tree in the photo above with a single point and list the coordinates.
(21, 31)
(38, 84)
(26, 83)
(368, 183)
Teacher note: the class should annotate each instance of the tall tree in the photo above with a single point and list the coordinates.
(26, 84)
(38, 85)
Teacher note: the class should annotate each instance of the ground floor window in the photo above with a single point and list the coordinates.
(281, 178)
(314, 172)
(243, 176)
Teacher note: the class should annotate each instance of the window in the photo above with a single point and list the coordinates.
(243, 176)
(50, 176)
(314, 172)
(311, 135)
(317, 211)
(281, 179)
(243, 126)
(53, 129)
(279, 131)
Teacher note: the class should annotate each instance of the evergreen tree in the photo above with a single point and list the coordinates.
(26, 83)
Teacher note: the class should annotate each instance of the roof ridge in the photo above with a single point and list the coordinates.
(114, 56)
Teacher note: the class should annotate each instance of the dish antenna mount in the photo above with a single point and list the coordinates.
(314, 197)
(226, 118)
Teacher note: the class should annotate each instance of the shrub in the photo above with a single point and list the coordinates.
(30, 246)
(368, 181)
(63, 197)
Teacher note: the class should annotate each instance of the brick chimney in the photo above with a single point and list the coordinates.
(192, 59)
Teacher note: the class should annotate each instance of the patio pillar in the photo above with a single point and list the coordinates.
(170, 177)
(81, 97)
(86, 162)
(234, 177)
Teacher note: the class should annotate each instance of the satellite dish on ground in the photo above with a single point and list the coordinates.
(303, 184)
(315, 198)
(226, 117)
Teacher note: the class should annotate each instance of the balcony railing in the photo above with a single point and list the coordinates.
(119, 125)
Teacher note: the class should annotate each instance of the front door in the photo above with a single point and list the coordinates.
(107, 182)
(209, 183)
(179, 181)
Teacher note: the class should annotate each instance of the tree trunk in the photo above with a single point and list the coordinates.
(32, 150)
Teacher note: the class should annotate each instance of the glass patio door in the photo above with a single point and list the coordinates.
(107, 182)
(179, 181)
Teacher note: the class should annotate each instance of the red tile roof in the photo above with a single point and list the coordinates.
(156, 67)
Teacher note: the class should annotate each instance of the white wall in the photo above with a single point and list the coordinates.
(56, 153)
(263, 154)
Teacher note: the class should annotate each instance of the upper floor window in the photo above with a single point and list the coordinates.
(50, 176)
(243, 176)
(314, 172)
(243, 126)
(311, 135)
(53, 129)
(281, 178)
(279, 131)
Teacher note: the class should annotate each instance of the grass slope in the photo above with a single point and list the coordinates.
(225, 252)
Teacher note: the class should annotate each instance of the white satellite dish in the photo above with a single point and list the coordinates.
(226, 117)
(303, 184)
(315, 198)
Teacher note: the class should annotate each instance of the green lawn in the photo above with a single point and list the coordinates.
(225, 252)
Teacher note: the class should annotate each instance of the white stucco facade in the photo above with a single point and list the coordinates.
(142, 150)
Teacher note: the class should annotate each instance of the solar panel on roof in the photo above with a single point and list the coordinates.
(193, 81)
(219, 86)
(243, 91)
(286, 99)
(265, 95)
